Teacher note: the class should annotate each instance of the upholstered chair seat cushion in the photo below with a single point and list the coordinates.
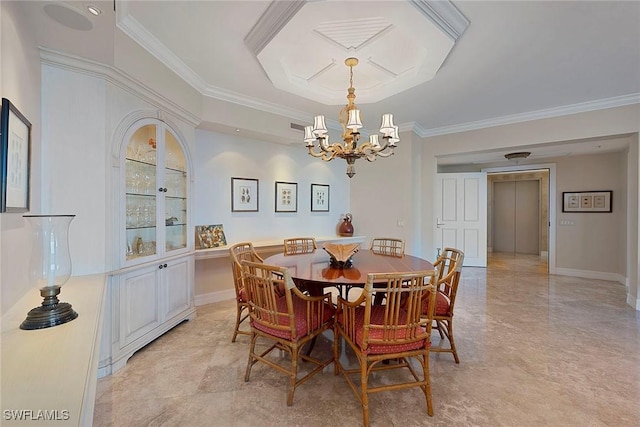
(300, 311)
(377, 318)
(442, 305)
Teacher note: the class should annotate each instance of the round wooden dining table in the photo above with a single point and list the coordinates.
(314, 272)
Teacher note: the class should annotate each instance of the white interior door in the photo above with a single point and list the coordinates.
(461, 215)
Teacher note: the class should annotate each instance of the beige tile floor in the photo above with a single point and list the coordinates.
(535, 350)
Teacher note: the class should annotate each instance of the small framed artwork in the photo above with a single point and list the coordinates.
(244, 195)
(286, 196)
(210, 236)
(319, 198)
(586, 201)
(15, 152)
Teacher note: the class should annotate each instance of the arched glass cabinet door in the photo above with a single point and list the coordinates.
(156, 193)
(175, 192)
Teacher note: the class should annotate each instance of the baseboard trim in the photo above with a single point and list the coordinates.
(588, 274)
(635, 303)
(212, 297)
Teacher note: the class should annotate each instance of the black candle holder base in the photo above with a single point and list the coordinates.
(50, 313)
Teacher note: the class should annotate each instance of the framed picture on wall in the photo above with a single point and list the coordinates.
(244, 195)
(15, 152)
(586, 201)
(319, 198)
(286, 196)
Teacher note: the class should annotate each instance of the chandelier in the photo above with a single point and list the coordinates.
(351, 124)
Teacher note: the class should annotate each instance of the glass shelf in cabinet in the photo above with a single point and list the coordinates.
(140, 162)
(140, 194)
(183, 172)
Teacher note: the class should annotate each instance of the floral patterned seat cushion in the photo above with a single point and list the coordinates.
(442, 305)
(300, 311)
(377, 316)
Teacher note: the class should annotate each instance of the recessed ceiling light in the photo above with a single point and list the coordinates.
(237, 130)
(94, 10)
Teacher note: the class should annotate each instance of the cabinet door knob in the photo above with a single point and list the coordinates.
(165, 266)
(160, 267)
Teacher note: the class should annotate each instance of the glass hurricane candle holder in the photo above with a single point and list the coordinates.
(49, 269)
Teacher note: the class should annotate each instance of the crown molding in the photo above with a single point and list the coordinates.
(582, 107)
(132, 28)
(258, 104)
(117, 78)
(444, 15)
(276, 16)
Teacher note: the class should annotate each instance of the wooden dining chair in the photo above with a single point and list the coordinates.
(299, 245)
(387, 246)
(395, 332)
(288, 321)
(240, 252)
(449, 267)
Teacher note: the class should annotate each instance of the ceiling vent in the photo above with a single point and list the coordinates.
(297, 127)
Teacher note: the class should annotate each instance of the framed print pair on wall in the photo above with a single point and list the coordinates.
(287, 197)
(245, 195)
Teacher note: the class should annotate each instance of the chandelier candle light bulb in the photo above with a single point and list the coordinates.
(351, 124)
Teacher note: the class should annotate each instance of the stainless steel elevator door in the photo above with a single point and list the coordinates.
(516, 216)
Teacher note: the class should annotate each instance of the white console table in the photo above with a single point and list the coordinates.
(49, 376)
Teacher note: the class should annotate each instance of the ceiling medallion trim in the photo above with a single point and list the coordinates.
(353, 34)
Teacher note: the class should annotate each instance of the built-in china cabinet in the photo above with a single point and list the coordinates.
(151, 291)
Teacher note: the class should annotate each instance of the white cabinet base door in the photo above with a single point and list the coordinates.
(147, 302)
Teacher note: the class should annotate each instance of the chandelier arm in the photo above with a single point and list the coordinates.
(384, 155)
(326, 155)
(364, 147)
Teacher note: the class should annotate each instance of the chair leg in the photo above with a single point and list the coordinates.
(427, 380)
(439, 327)
(336, 353)
(293, 374)
(451, 342)
(238, 316)
(364, 392)
(252, 346)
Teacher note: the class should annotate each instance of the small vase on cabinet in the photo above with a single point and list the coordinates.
(346, 228)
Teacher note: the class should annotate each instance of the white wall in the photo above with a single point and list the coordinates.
(597, 241)
(75, 169)
(20, 83)
(218, 157)
(383, 195)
